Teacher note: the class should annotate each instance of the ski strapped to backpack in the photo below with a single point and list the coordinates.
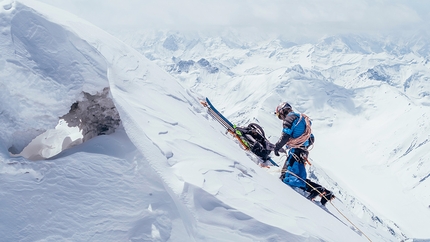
(231, 128)
(214, 113)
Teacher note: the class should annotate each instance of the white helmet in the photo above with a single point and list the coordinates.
(283, 109)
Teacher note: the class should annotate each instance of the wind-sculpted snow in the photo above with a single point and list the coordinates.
(168, 173)
(57, 67)
(55, 53)
(91, 192)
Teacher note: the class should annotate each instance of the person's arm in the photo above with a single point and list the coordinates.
(286, 133)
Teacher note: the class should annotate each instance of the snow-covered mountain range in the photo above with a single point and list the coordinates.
(368, 97)
(151, 165)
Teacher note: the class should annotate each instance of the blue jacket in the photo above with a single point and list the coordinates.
(292, 128)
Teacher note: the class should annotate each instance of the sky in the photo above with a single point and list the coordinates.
(307, 18)
(156, 178)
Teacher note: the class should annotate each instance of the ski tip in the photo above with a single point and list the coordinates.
(205, 104)
(208, 102)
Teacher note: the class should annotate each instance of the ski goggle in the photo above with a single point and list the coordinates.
(277, 111)
(278, 114)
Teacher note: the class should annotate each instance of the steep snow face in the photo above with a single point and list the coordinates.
(57, 66)
(368, 98)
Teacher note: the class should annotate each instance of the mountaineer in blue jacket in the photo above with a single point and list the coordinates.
(297, 136)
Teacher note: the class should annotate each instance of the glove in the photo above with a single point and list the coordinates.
(276, 151)
(282, 177)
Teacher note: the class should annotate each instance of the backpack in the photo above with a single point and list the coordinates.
(258, 144)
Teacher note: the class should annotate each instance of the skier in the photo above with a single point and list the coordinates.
(297, 136)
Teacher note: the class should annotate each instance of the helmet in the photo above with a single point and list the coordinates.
(283, 109)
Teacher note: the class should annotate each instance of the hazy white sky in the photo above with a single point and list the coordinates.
(307, 17)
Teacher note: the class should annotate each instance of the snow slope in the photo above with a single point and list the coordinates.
(169, 173)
